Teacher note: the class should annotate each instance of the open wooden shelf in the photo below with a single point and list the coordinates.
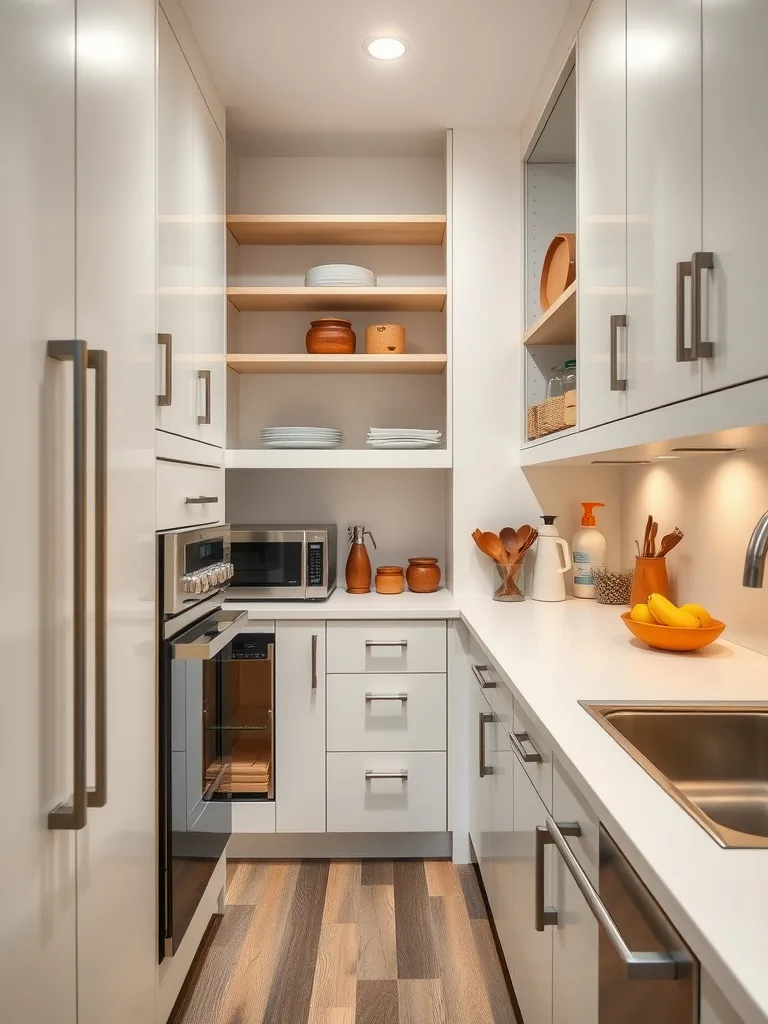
(305, 363)
(337, 229)
(558, 325)
(337, 458)
(342, 300)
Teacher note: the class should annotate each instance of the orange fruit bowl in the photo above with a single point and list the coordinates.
(673, 638)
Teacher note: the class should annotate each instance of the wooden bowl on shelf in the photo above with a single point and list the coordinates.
(331, 336)
(558, 271)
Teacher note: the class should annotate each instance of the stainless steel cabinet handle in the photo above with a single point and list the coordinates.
(166, 397)
(484, 719)
(517, 739)
(544, 916)
(73, 815)
(699, 261)
(386, 643)
(402, 774)
(617, 384)
(370, 697)
(640, 966)
(205, 375)
(97, 360)
(204, 641)
(202, 499)
(682, 354)
(314, 661)
(487, 684)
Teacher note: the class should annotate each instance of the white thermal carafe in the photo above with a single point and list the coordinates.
(553, 559)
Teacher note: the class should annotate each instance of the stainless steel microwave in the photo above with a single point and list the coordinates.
(283, 563)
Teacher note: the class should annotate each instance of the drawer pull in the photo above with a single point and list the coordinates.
(386, 643)
(517, 740)
(202, 499)
(370, 697)
(488, 683)
(403, 774)
(485, 769)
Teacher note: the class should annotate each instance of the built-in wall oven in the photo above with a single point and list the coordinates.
(284, 563)
(196, 639)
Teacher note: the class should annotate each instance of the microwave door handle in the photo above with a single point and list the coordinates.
(201, 644)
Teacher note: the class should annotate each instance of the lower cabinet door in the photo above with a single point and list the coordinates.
(502, 814)
(575, 938)
(300, 726)
(531, 950)
(385, 791)
(480, 778)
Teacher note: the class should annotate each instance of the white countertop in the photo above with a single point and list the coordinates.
(558, 654)
(341, 605)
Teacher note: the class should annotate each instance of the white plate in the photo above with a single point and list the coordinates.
(397, 431)
(300, 430)
(301, 444)
(402, 444)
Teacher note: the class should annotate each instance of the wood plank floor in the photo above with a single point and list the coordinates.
(345, 942)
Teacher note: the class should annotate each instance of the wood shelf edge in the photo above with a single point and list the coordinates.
(539, 333)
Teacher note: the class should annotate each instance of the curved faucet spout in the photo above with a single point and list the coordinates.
(754, 562)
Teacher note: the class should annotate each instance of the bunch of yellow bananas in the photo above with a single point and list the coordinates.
(660, 610)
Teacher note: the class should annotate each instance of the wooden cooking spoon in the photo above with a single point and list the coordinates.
(510, 538)
(493, 547)
(529, 535)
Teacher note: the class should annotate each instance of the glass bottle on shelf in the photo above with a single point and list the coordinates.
(568, 376)
(554, 383)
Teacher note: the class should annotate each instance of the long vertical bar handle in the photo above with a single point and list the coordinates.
(314, 661)
(617, 383)
(682, 354)
(546, 916)
(97, 360)
(485, 719)
(74, 815)
(700, 261)
(166, 396)
(205, 375)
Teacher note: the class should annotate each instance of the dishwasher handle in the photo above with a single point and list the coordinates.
(639, 966)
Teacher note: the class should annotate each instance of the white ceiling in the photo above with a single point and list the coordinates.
(295, 79)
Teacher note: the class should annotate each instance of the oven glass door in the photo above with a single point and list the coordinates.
(273, 562)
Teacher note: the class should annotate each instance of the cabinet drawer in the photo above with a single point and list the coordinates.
(533, 743)
(387, 646)
(414, 803)
(176, 482)
(361, 715)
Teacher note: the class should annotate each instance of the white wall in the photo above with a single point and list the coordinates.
(716, 501)
(404, 509)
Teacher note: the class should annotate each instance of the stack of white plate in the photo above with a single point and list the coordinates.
(301, 437)
(402, 437)
(339, 275)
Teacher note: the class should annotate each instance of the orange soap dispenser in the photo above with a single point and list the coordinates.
(587, 551)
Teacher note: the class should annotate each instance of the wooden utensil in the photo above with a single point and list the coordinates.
(652, 540)
(647, 536)
(493, 547)
(671, 540)
(530, 536)
(511, 541)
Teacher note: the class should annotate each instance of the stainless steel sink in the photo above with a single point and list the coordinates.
(711, 759)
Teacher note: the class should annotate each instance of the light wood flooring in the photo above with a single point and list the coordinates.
(349, 942)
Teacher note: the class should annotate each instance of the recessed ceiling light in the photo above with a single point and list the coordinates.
(385, 48)
(708, 451)
(667, 457)
(621, 462)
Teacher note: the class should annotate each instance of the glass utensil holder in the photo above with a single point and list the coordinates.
(508, 581)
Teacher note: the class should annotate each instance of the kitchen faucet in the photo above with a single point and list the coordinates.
(754, 561)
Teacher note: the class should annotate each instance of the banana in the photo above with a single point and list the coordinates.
(641, 613)
(700, 612)
(669, 614)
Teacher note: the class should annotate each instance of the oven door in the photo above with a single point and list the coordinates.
(194, 828)
(269, 564)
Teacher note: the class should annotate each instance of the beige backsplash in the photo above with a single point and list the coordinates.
(716, 501)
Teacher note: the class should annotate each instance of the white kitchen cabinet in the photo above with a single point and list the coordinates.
(602, 205)
(38, 925)
(191, 350)
(663, 193)
(502, 817)
(480, 776)
(300, 708)
(188, 496)
(387, 646)
(178, 389)
(531, 966)
(735, 141)
(715, 1008)
(575, 938)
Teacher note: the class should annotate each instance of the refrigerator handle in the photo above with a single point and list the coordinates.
(97, 360)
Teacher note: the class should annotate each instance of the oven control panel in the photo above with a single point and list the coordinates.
(315, 563)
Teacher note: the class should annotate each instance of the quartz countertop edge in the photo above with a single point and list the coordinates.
(553, 655)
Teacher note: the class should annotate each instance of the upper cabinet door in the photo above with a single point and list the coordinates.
(176, 234)
(663, 194)
(735, 85)
(210, 274)
(602, 211)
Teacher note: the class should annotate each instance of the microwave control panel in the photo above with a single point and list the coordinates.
(315, 564)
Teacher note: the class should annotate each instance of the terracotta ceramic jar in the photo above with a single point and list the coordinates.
(381, 339)
(331, 336)
(390, 579)
(423, 575)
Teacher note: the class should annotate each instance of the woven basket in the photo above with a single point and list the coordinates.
(553, 415)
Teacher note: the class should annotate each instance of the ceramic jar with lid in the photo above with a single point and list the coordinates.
(390, 579)
(423, 575)
(331, 336)
(381, 339)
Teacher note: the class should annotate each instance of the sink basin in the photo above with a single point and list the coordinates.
(711, 759)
